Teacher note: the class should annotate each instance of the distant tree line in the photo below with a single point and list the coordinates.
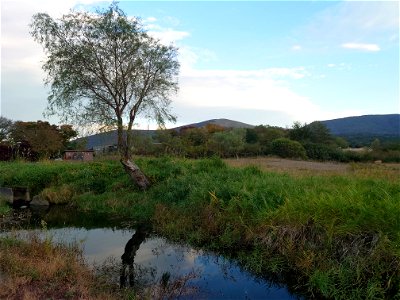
(302, 141)
(41, 140)
(33, 140)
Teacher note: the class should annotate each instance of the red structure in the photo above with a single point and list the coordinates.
(78, 155)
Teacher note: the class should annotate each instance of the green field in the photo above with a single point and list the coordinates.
(333, 235)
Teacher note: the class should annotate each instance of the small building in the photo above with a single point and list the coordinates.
(78, 155)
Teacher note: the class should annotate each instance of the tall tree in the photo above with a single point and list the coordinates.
(315, 132)
(103, 68)
(44, 139)
(5, 128)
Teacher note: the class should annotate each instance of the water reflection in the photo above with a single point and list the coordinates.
(140, 258)
(128, 257)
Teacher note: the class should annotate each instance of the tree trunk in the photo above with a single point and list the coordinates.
(130, 167)
(136, 174)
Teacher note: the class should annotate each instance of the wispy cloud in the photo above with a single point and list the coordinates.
(340, 66)
(262, 89)
(150, 20)
(169, 35)
(247, 90)
(166, 34)
(296, 47)
(360, 21)
(363, 47)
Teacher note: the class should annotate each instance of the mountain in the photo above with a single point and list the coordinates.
(369, 124)
(359, 131)
(226, 123)
(104, 139)
(109, 138)
(364, 129)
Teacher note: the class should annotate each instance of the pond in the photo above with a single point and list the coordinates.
(132, 257)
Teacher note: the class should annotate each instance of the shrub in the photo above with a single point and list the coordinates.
(324, 152)
(285, 147)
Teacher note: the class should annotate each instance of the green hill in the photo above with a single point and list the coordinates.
(359, 131)
(109, 138)
(226, 123)
(362, 130)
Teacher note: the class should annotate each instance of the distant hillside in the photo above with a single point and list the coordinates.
(364, 129)
(359, 131)
(220, 122)
(110, 138)
(369, 124)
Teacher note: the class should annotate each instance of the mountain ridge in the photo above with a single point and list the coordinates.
(385, 125)
(227, 123)
(367, 126)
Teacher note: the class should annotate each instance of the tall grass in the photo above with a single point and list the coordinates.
(37, 269)
(339, 236)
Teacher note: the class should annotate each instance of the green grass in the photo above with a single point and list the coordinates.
(338, 236)
(4, 207)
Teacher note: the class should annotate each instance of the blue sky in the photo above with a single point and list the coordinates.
(259, 62)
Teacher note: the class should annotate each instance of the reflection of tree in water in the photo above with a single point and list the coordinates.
(128, 258)
(143, 279)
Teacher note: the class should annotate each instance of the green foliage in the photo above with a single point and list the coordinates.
(315, 132)
(104, 68)
(228, 143)
(376, 145)
(251, 136)
(5, 128)
(44, 139)
(338, 235)
(324, 152)
(265, 136)
(4, 207)
(287, 148)
(211, 140)
(341, 142)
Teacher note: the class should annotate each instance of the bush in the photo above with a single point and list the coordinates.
(324, 152)
(287, 148)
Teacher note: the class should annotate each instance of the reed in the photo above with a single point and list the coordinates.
(338, 233)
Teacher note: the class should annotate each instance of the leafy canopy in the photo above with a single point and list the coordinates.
(44, 139)
(103, 68)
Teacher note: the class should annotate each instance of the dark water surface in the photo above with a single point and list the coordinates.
(104, 241)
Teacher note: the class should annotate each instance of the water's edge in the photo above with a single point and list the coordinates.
(134, 258)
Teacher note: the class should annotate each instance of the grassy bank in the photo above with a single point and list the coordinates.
(337, 235)
(38, 269)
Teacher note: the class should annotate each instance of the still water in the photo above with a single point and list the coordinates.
(209, 275)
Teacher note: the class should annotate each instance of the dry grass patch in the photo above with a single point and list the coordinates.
(36, 269)
(389, 172)
(300, 168)
(58, 195)
(297, 168)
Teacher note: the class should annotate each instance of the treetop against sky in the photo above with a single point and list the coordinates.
(257, 62)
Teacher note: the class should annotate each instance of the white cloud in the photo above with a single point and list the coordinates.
(21, 56)
(168, 35)
(363, 47)
(296, 47)
(293, 73)
(150, 20)
(240, 90)
(19, 50)
(264, 90)
(359, 21)
(340, 66)
(189, 56)
(165, 34)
